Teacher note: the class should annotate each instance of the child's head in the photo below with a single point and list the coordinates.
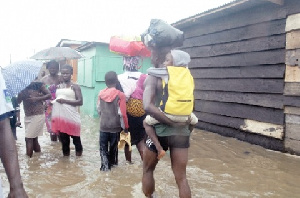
(158, 55)
(177, 58)
(111, 79)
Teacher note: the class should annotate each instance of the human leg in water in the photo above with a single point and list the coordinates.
(113, 149)
(149, 163)
(53, 137)
(78, 145)
(179, 159)
(65, 142)
(127, 153)
(36, 145)
(103, 141)
(29, 146)
(141, 147)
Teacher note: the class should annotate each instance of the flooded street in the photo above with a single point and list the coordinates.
(218, 167)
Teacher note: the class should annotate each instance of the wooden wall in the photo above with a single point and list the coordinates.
(292, 83)
(238, 62)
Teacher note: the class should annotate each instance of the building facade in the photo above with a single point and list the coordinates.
(245, 64)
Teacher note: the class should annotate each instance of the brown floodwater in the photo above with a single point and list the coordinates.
(218, 167)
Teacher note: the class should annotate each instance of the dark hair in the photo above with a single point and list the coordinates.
(52, 62)
(35, 85)
(69, 67)
(111, 78)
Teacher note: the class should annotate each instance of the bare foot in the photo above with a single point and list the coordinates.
(160, 154)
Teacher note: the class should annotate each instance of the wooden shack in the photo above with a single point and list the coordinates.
(245, 64)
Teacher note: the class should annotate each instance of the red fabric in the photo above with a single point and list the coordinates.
(122, 104)
(139, 90)
(128, 48)
(109, 94)
(62, 125)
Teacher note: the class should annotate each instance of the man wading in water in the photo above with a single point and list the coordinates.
(173, 135)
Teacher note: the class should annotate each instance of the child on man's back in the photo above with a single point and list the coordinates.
(178, 98)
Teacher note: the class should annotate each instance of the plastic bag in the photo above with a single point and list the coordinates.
(161, 34)
(128, 46)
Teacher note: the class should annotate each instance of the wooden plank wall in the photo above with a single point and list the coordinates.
(238, 62)
(292, 83)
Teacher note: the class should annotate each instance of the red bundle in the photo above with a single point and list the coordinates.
(128, 46)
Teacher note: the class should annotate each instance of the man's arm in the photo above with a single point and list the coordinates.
(149, 96)
(9, 158)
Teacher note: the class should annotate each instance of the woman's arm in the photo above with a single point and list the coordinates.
(46, 95)
(46, 92)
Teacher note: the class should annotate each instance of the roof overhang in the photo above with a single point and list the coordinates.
(279, 2)
(90, 45)
(227, 9)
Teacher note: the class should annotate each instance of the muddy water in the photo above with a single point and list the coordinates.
(218, 167)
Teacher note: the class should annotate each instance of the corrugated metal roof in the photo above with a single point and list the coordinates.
(67, 42)
(226, 9)
(89, 45)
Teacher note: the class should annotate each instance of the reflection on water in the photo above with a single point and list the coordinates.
(218, 167)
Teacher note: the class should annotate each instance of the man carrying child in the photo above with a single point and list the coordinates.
(177, 138)
(178, 95)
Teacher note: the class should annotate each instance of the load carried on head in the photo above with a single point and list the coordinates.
(128, 46)
(162, 34)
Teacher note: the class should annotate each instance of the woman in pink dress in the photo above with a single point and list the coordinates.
(51, 81)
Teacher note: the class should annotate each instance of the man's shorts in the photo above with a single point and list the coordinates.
(174, 141)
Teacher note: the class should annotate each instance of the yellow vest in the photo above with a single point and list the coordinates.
(178, 93)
